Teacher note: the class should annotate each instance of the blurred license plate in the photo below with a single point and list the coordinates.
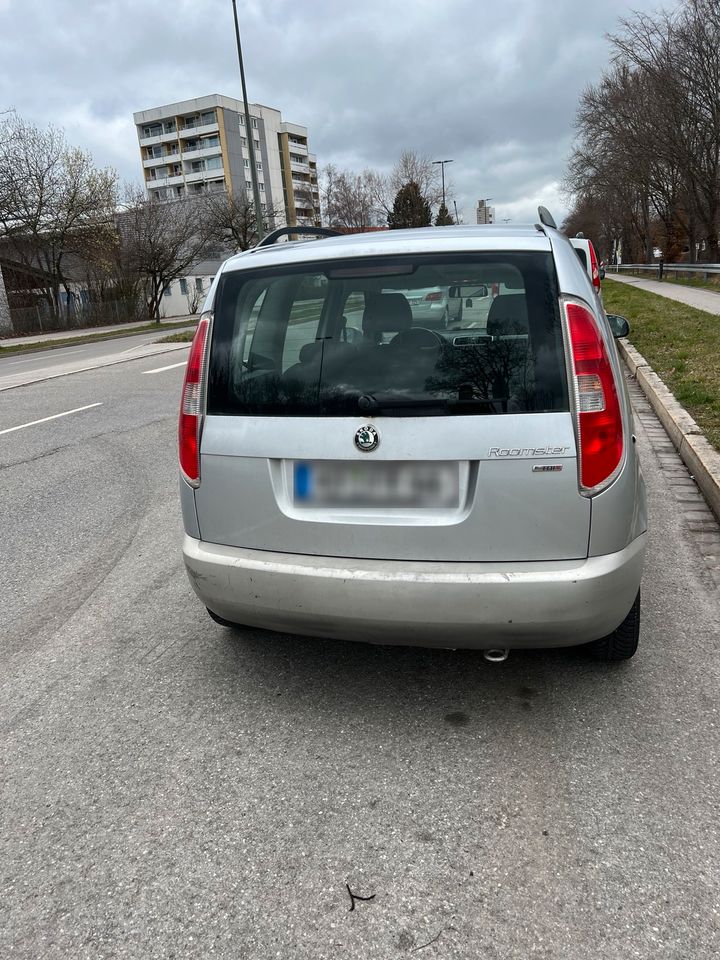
(334, 483)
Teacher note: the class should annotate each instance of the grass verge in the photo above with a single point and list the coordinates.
(184, 337)
(42, 345)
(680, 343)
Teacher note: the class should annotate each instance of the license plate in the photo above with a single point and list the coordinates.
(340, 483)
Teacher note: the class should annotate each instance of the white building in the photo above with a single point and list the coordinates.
(485, 214)
(201, 145)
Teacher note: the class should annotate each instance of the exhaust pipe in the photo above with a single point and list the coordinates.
(498, 655)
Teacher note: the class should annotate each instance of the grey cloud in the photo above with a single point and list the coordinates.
(494, 86)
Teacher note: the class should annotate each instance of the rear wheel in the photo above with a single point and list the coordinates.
(221, 620)
(622, 643)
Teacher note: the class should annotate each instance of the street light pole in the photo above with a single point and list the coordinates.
(442, 170)
(457, 219)
(249, 133)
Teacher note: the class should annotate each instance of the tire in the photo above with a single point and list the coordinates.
(221, 621)
(622, 643)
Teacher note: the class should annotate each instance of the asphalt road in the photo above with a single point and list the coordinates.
(171, 789)
(18, 368)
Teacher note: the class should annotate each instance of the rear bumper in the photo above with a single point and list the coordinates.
(471, 605)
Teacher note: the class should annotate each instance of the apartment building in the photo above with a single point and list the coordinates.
(485, 214)
(201, 146)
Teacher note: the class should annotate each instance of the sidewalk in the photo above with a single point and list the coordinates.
(120, 328)
(706, 300)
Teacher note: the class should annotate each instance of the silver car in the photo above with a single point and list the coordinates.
(432, 307)
(348, 472)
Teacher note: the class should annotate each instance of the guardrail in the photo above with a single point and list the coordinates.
(662, 268)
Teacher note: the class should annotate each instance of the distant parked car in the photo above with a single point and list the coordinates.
(467, 486)
(432, 306)
(586, 251)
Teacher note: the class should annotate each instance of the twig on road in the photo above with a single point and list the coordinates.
(355, 896)
(430, 942)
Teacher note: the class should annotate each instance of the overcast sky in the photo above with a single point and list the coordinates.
(492, 85)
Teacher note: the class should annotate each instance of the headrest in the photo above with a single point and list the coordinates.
(508, 315)
(310, 351)
(386, 313)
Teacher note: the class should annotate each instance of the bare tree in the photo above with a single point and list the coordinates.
(231, 222)
(162, 241)
(649, 132)
(349, 199)
(53, 201)
(193, 297)
(413, 167)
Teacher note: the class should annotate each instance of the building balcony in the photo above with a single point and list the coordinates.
(299, 167)
(199, 130)
(297, 147)
(216, 173)
(197, 152)
(159, 138)
(155, 182)
(161, 161)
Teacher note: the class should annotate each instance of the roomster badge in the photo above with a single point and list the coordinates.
(367, 438)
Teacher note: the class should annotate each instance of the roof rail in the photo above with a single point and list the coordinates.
(546, 217)
(285, 231)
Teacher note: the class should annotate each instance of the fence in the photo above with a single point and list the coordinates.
(707, 270)
(39, 319)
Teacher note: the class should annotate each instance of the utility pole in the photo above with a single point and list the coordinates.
(249, 133)
(442, 170)
(457, 218)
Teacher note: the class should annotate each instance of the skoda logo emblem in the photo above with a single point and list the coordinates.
(367, 438)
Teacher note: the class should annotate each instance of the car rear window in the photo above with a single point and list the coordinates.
(583, 256)
(398, 336)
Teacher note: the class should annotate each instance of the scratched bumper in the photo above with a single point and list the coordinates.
(471, 605)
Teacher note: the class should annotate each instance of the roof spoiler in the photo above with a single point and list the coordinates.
(546, 217)
(287, 231)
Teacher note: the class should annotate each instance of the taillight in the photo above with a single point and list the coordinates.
(594, 268)
(599, 418)
(190, 424)
(436, 295)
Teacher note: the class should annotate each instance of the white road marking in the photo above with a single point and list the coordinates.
(170, 366)
(55, 416)
(39, 356)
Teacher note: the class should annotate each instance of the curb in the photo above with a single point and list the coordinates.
(696, 452)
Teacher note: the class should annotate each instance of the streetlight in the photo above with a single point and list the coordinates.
(457, 218)
(442, 169)
(249, 133)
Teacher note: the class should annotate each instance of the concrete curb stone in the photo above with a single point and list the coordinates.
(675, 418)
(703, 462)
(696, 452)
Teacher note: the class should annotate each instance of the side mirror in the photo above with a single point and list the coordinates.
(619, 325)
